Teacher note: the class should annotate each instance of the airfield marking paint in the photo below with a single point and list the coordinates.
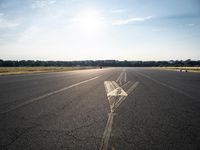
(125, 77)
(46, 95)
(122, 77)
(133, 87)
(119, 77)
(126, 84)
(116, 95)
(107, 132)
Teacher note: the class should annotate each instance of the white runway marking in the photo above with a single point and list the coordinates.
(113, 89)
(122, 78)
(132, 87)
(107, 132)
(119, 77)
(117, 104)
(116, 95)
(46, 95)
(125, 77)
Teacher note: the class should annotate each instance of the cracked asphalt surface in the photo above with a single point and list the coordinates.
(163, 112)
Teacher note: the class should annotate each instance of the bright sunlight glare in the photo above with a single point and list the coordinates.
(90, 21)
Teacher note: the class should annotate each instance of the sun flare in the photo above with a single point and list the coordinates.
(90, 21)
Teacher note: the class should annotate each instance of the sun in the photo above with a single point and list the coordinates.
(90, 21)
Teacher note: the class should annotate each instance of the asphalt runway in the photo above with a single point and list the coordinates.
(101, 109)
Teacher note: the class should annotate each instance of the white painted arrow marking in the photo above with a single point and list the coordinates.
(114, 93)
(117, 92)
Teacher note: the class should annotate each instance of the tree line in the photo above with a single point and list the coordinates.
(103, 63)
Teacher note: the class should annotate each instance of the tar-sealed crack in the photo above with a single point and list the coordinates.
(68, 133)
(25, 130)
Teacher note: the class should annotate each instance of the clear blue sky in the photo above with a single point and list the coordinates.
(100, 29)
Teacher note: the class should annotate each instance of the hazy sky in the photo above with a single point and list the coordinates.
(99, 29)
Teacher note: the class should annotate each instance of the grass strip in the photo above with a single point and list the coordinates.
(29, 70)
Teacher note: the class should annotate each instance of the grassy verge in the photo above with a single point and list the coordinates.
(28, 70)
(184, 69)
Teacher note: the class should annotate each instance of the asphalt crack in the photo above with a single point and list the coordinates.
(16, 137)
